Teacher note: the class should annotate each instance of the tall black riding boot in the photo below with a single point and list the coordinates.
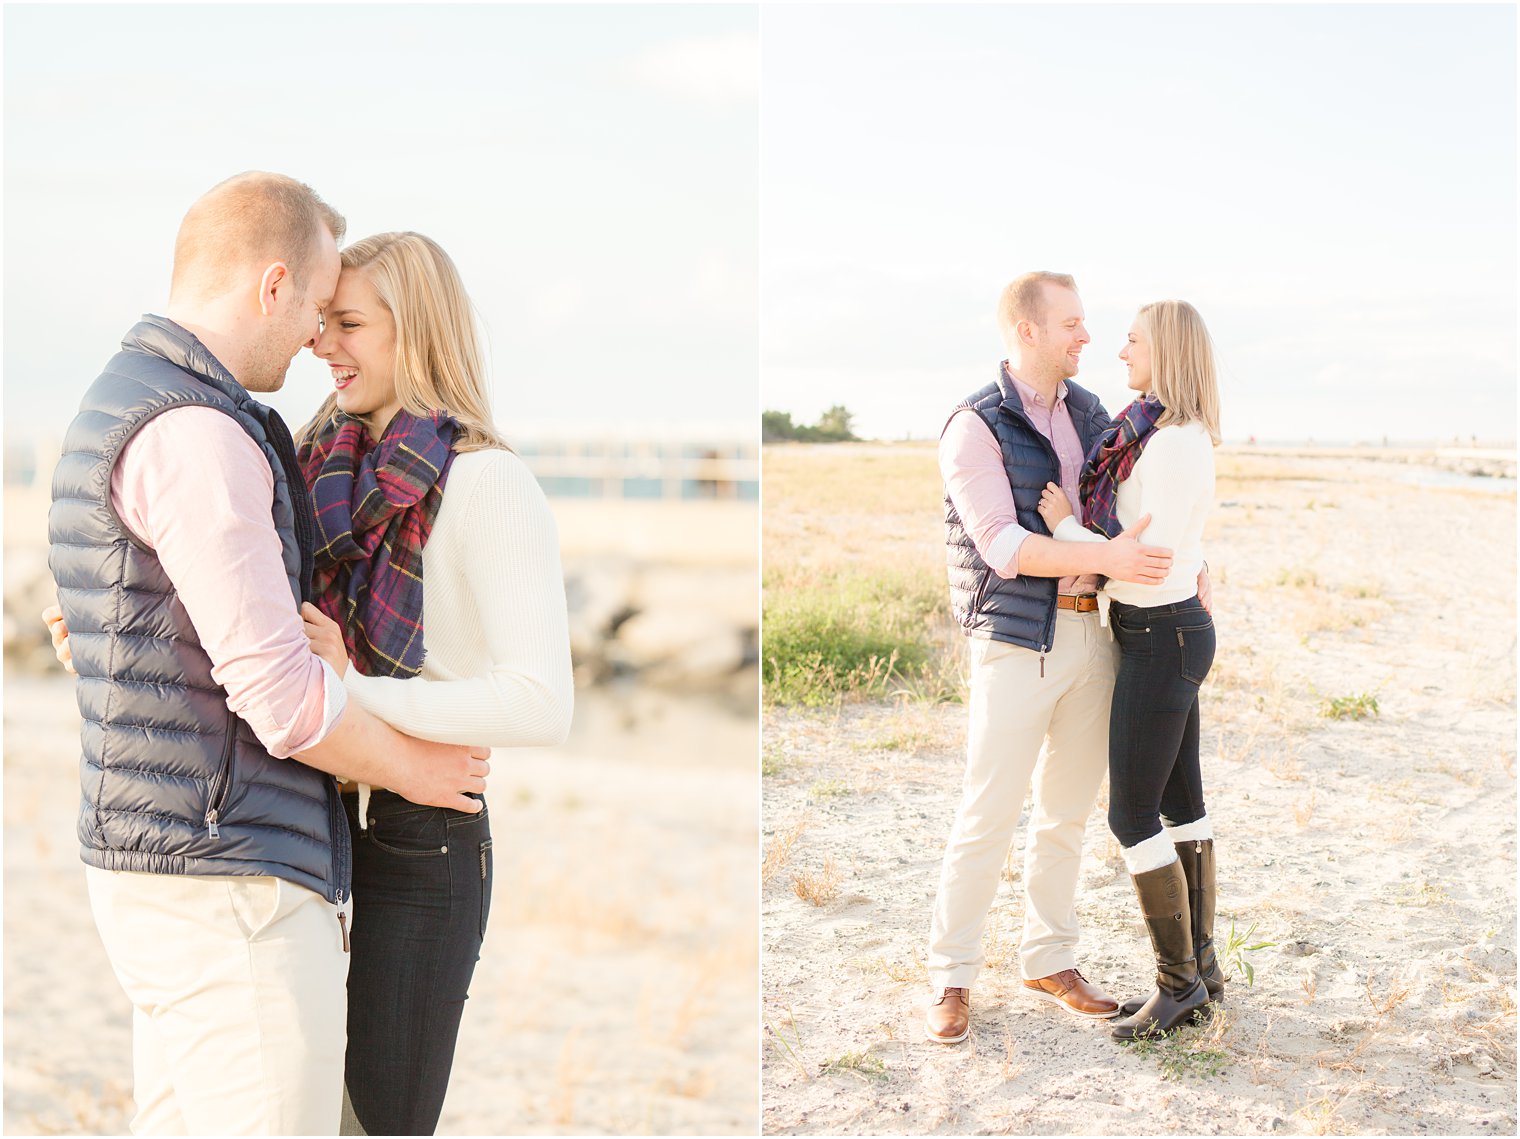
(1197, 858)
(1163, 895)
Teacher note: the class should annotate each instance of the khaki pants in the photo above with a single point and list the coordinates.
(1054, 728)
(238, 990)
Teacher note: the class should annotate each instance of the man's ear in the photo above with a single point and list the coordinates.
(276, 277)
(1024, 330)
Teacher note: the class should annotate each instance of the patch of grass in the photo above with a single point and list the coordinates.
(863, 1064)
(1297, 578)
(1236, 948)
(773, 761)
(892, 970)
(828, 789)
(790, 1050)
(1181, 1054)
(1356, 706)
(911, 740)
(1425, 894)
(1322, 1114)
(832, 635)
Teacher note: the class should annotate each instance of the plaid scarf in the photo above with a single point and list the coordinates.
(375, 505)
(1113, 457)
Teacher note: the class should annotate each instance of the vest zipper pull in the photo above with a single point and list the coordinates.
(211, 823)
(1042, 665)
(343, 928)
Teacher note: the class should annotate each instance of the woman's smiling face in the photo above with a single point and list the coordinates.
(358, 341)
(1136, 355)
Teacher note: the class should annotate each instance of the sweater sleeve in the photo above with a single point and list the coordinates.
(509, 551)
(1070, 530)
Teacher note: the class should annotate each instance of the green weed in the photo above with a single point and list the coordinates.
(863, 1064)
(1356, 706)
(1236, 948)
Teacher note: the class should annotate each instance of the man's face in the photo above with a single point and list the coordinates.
(296, 321)
(1060, 337)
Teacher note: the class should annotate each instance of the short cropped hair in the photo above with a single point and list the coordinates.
(1024, 298)
(251, 217)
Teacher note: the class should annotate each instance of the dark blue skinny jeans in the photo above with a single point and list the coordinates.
(1165, 651)
(422, 893)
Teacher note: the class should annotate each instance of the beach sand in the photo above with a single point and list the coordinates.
(616, 991)
(1377, 854)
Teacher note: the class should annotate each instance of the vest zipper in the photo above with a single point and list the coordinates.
(222, 784)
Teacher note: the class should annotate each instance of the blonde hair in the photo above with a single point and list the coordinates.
(1024, 299)
(253, 217)
(1182, 365)
(438, 360)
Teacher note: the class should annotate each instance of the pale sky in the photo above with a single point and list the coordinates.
(1332, 186)
(591, 170)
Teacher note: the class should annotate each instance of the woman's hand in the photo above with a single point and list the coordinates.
(59, 632)
(1054, 505)
(325, 637)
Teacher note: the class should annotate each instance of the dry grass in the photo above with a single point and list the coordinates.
(570, 1072)
(778, 852)
(1303, 811)
(1388, 996)
(817, 888)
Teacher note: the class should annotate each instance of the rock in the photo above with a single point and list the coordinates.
(675, 646)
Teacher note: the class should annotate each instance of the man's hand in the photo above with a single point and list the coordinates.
(1054, 506)
(1205, 591)
(443, 773)
(1130, 561)
(59, 631)
(325, 637)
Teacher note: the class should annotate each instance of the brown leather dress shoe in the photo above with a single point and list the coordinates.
(1074, 993)
(949, 1019)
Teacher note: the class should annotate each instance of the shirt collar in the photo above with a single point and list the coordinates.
(1027, 395)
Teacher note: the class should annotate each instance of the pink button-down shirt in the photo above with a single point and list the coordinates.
(192, 485)
(971, 462)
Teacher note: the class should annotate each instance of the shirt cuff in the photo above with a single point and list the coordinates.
(334, 704)
(1003, 551)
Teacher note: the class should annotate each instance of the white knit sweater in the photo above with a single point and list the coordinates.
(497, 640)
(1173, 482)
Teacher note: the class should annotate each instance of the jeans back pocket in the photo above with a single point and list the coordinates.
(1196, 647)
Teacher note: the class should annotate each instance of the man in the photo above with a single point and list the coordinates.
(216, 849)
(1042, 668)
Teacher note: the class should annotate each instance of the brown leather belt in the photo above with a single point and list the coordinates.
(1081, 602)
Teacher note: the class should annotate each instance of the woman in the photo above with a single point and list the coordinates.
(437, 574)
(1158, 459)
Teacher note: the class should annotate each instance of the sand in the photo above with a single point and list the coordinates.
(616, 991)
(1377, 854)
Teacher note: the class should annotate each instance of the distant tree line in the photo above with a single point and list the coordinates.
(833, 426)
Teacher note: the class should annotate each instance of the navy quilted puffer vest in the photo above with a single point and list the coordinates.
(172, 781)
(1020, 610)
